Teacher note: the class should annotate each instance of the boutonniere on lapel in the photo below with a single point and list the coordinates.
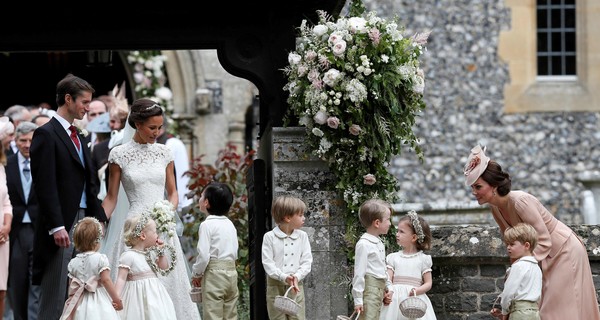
(83, 132)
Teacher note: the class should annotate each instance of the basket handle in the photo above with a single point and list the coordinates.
(413, 291)
(354, 313)
(288, 291)
(495, 302)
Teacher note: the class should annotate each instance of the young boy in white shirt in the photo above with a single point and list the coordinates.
(286, 255)
(214, 269)
(370, 285)
(523, 285)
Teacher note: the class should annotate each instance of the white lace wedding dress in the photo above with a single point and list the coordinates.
(143, 176)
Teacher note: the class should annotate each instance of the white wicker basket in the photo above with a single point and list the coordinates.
(196, 294)
(413, 307)
(286, 305)
(348, 318)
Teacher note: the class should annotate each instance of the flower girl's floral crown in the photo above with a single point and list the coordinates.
(414, 219)
(139, 227)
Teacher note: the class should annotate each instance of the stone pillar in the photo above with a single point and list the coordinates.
(296, 172)
(590, 198)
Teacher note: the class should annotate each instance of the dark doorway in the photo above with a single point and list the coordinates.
(29, 78)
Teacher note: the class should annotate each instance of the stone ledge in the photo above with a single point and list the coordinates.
(475, 244)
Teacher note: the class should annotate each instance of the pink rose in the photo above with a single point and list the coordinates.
(333, 122)
(369, 179)
(355, 129)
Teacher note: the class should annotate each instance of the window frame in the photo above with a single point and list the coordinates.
(525, 92)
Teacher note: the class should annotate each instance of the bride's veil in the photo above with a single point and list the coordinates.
(112, 240)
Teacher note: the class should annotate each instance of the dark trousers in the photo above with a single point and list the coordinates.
(23, 296)
(55, 281)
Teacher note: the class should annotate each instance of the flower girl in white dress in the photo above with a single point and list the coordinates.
(144, 296)
(410, 269)
(92, 294)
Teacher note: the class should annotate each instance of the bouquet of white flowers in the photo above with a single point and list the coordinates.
(163, 213)
(356, 85)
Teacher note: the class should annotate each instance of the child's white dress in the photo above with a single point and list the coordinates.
(87, 299)
(408, 274)
(144, 296)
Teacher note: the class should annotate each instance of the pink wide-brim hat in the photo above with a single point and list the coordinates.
(476, 165)
(6, 127)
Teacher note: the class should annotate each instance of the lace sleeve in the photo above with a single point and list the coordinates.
(116, 155)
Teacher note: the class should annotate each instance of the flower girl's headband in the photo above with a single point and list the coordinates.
(414, 219)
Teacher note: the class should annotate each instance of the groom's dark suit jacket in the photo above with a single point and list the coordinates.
(58, 179)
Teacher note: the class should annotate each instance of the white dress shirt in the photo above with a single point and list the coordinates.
(284, 255)
(217, 240)
(369, 259)
(524, 282)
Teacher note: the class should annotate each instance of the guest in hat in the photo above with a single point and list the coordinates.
(6, 129)
(100, 126)
(568, 288)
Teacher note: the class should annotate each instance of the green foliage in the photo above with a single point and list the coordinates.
(231, 168)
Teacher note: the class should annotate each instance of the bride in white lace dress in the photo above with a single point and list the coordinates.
(144, 169)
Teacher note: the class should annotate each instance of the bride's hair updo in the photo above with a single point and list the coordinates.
(143, 109)
(495, 177)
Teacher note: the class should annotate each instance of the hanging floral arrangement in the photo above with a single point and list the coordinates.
(356, 85)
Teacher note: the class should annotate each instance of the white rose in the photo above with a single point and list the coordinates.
(294, 58)
(319, 30)
(357, 25)
(331, 76)
(339, 48)
(164, 93)
(321, 117)
(317, 132)
(335, 38)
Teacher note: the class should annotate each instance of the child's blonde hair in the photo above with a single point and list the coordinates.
(134, 225)
(522, 232)
(87, 234)
(420, 227)
(286, 206)
(372, 210)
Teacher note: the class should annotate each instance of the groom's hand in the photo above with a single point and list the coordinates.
(61, 238)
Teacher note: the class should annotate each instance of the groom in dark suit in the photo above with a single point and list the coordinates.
(62, 173)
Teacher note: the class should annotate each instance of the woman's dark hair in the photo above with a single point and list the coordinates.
(497, 178)
(72, 86)
(219, 198)
(142, 110)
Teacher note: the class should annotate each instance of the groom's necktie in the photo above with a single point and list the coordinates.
(74, 136)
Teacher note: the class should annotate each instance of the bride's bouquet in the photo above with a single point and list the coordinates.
(163, 213)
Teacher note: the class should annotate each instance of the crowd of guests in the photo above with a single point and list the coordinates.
(33, 260)
(77, 240)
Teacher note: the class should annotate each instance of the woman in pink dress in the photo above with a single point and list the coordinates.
(568, 288)
(6, 129)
